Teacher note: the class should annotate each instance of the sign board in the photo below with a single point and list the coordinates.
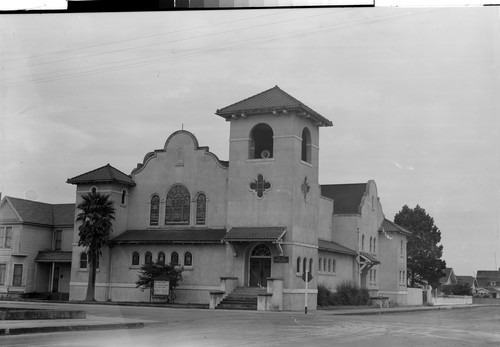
(281, 259)
(309, 277)
(161, 288)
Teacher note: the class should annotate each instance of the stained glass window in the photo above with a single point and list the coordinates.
(174, 259)
(178, 206)
(261, 251)
(154, 215)
(188, 259)
(148, 258)
(135, 258)
(201, 208)
(161, 258)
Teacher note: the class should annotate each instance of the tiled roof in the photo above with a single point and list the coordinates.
(41, 213)
(168, 236)
(106, 173)
(346, 197)
(369, 257)
(53, 256)
(334, 247)
(273, 99)
(388, 226)
(255, 233)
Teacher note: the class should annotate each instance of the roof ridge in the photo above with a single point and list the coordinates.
(250, 97)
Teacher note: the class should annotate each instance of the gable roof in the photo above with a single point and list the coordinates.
(448, 274)
(104, 174)
(35, 212)
(274, 99)
(488, 274)
(346, 197)
(467, 279)
(388, 226)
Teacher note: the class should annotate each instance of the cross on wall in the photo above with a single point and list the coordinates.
(260, 186)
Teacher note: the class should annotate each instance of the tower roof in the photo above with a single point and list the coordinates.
(271, 100)
(104, 174)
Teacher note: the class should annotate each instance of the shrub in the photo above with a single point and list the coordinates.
(348, 293)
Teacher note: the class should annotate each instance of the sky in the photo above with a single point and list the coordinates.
(413, 94)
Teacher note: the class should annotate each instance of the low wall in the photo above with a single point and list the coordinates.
(452, 300)
(485, 301)
(414, 297)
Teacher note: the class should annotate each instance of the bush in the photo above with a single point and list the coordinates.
(457, 289)
(347, 293)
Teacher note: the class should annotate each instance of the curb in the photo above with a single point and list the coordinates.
(389, 311)
(51, 329)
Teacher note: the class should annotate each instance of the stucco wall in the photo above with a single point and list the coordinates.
(344, 270)
(392, 262)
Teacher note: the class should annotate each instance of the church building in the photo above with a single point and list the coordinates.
(260, 220)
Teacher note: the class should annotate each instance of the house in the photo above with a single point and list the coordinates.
(470, 280)
(259, 220)
(449, 277)
(490, 281)
(35, 247)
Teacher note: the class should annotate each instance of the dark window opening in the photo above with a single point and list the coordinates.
(306, 145)
(261, 142)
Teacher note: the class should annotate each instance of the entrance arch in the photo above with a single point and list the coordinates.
(260, 265)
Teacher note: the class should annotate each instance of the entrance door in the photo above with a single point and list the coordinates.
(55, 280)
(260, 270)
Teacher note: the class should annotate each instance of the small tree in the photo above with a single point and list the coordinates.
(151, 271)
(97, 213)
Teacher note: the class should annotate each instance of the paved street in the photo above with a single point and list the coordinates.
(195, 327)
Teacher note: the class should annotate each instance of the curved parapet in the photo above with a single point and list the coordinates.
(171, 139)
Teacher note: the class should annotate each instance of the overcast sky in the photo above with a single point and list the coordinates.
(413, 95)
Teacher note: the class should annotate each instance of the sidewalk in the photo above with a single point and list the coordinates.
(401, 309)
(17, 327)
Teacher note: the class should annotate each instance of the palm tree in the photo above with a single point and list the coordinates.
(97, 212)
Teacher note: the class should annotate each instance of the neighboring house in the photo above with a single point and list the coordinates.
(470, 280)
(35, 247)
(449, 277)
(261, 215)
(490, 281)
(393, 256)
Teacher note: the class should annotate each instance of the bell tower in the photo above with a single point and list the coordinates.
(273, 177)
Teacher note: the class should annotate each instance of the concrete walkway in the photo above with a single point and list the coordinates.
(92, 322)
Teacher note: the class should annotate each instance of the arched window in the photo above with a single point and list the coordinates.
(306, 145)
(174, 258)
(188, 259)
(261, 142)
(261, 251)
(304, 265)
(298, 265)
(124, 195)
(310, 266)
(363, 242)
(324, 264)
(83, 260)
(135, 258)
(333, 265)
(154, 213)
(161, 258)
(329, 265)
(370, 244)
(374, 245)
(148, 258)
(93, 190)
(201, 208)
(178, 206)
(402, 244)
(319, 264)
